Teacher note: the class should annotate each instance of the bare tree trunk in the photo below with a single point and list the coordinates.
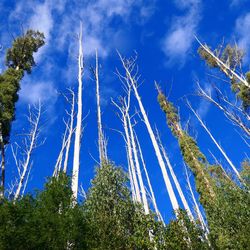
(152, 195)
(129, 66)
(197, 209)
(215, 142)
(231, 116)
(138, 170)
(131, 178)
(58, 164)
(101, 143)
(34, 133)
(176, 182)
(124, 113)
(76, 160)
(70, 131)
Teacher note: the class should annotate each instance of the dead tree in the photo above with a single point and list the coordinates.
(152, 195)
(123, 108)
(215, 142)
(30, 143)
(101, 139)
(231, 111)
(176, 182)
(78, 131)
(137, 165)
(131, 79)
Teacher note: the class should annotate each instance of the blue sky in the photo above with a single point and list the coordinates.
(161, 32)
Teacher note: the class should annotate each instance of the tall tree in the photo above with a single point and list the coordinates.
(229, 61)
(113, 220)
(78, 131)
(19, 59)
(226, 204)
(131, 77)
(101, 139)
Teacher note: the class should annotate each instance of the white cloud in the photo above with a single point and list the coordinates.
(42, 19)
(242, 30)
(31, 93)
(179, 38)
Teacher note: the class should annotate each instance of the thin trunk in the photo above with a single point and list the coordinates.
(231, 116)
(168, 184)
(176, 182)
(124, 109)
(138, 170)
(131, 178)
(71, 131)
(171, 193)
(197, 209)
(216, 143)
(152, 195)
(131, 161)
(58, 164)
(76, 160)
(101, 142)
(33, 135)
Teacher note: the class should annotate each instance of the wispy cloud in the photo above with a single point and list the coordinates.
(31, 93)
(242, 30)
(179, 38)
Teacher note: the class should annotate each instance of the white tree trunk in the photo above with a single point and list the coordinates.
(58, 164)
(131, 178)
(101, 143)
(231, 116)
(168, 184)
(176, 182)
(70, 132)
(33, 136)
(76, 160)
(216, 143)
(138, 170)
(223, 66)
(152, 195)
(197, 209)
(131, 160)
(124, 109)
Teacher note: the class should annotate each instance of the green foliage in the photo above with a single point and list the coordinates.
(184, 234)
(9, 86)
(245, 173)
(228, 218)
(113, 221)
(190, 151)
(47, 221)
(210, 61)
(243, 92)
(170, 111)
(20, 56)
(227, 207)
(232, 57)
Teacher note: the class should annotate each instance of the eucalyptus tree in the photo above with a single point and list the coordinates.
(19, 59)
(113, 220)
(226, 204)
(229, 61)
